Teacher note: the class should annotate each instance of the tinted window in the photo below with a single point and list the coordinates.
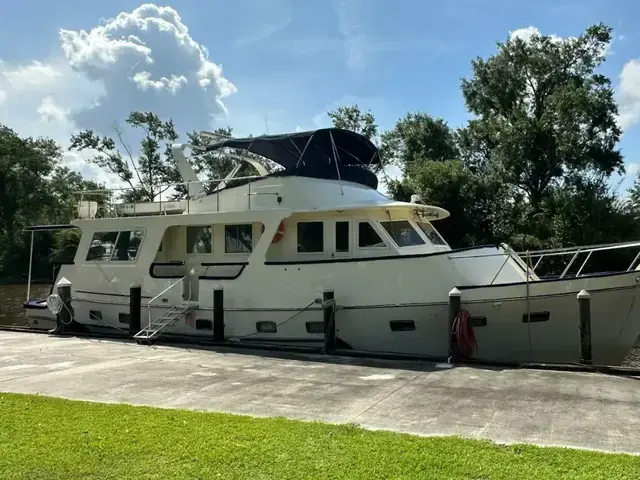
(432, 234)
(368, 237)
(102, 246)
(403, 233)
(127, 245)
(238, 238)
(342, 237)
(310, 237)
(199, 239)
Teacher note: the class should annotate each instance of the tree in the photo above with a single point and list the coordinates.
(352, 118)
(418, 137)
(34, 189)
(24, 165)
(149, 174)
(543, 111)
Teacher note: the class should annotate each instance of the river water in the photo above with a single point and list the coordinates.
(13, 296)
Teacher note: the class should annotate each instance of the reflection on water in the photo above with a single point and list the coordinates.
(12, 298)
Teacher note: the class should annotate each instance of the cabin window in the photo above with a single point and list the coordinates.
(368, 237)
(127, 245)
(101, 246)
(199, 239)
(342, 237)
(238, 238)
(431, 233)
(310, 237)
(115, 246)
(403, 233)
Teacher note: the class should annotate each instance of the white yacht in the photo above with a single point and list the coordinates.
(275, 242)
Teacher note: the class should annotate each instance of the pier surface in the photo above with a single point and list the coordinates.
(584, 410)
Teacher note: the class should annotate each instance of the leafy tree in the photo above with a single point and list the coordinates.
(419, 137)
(543, 111)
(24, 165)
(350, 117)
(149, 174)
(34, 189)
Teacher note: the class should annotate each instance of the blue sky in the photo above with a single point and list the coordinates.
(283, 63)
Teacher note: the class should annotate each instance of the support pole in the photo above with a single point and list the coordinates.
(135, 308)
(584, 326)
(65, 316)
(218, 314)
(329, 316)
(30, 267)
(455, 304)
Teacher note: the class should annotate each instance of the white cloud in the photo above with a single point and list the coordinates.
(632, 169)
(144, 59)
(527, 33)
(50, 111)
(629, 94)
(149, 50)
(349, 14)
(173, 84)
(44, 90)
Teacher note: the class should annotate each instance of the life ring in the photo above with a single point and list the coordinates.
(279, 233)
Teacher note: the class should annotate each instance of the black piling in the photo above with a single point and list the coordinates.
(329, 316)
(455, 304)
(218, 315)
(65, 316)
(135, 308)
(584, 327)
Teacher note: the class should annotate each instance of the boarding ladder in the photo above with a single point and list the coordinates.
(172, 315)
(154, 329)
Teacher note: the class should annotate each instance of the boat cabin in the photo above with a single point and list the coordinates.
(170, 245)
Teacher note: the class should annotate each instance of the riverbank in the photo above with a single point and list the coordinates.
(54, 438)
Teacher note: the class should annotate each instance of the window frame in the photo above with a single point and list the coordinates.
(186, 239)
(324, 233)
(110, 259)
(416, 229)
(428, 238)
(349, 223)
(372, 224)
(237, 224)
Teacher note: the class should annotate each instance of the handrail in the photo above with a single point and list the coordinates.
(113, 198)
(558, 251)
(160, 294)
(574, 251)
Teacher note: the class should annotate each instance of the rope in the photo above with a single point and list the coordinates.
(281, 323)
(465, 336)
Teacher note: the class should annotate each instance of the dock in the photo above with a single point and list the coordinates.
(543, 407)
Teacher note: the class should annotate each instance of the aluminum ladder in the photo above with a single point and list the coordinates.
(168, 318)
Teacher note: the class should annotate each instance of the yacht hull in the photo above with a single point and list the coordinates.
(499, 313)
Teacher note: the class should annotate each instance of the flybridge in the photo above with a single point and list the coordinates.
(344, 157)
(328, 153)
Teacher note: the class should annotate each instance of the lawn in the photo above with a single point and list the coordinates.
(47, 438)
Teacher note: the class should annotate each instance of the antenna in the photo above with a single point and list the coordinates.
(266, 124)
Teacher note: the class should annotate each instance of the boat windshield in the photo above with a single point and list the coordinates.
(403, 233)
(431, 233)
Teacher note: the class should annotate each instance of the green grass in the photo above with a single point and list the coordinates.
(47, 438)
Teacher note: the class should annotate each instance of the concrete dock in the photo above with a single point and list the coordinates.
(584, 410)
